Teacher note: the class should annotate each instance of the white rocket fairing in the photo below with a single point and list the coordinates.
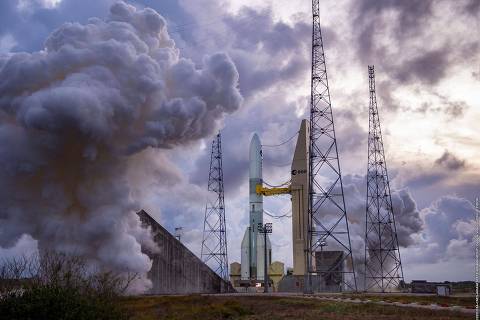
(253, 243)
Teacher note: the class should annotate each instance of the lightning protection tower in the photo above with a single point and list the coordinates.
(383, 266)
(329, 255)
(214, 244)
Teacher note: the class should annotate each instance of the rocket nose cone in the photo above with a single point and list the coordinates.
(255, 157)
(255, 142)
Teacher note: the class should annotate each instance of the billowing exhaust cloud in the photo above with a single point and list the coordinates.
(73, 115)
(407, 218)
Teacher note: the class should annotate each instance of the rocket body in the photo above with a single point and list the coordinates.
(256, 200)
(253, 243)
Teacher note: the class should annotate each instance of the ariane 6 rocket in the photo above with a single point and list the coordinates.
(252, 255)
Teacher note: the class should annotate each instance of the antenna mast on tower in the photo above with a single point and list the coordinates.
(214, 244)
(329, 253)
(383, 266)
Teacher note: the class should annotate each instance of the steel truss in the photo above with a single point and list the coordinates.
(214, 244)
(383, 266)
(328, 224)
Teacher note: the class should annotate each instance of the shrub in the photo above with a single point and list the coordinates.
(58, 286)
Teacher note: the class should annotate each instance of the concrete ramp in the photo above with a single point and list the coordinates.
(175, 269)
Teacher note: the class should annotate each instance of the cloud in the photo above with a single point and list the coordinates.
(452, 109)
(407, 215)
(351, 136)
(407, 218)
(264, 115)
(456, 109)
(30, 23)
(270, 56)
(449, 161)
(373, 16)
(402, 39)
(271, 50)
(472, 7)
(429, 67)
(267, 53)
(448, 233)
(25, 246)
(265, 66)
(394, 40)
(435, 178)
(75, 114)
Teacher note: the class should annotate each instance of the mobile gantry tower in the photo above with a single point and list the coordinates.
(329, 262)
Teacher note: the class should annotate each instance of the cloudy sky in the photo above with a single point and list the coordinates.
(427, 62)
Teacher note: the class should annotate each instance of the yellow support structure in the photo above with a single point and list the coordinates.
(271, 191)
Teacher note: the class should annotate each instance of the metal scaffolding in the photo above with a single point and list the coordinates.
(383, 266)
(328, 225)
(214, 244)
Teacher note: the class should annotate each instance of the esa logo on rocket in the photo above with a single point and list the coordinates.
(295, 172)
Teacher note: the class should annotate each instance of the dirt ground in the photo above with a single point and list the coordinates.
(272, 308)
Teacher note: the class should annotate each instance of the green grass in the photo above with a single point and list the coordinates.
(269, 308)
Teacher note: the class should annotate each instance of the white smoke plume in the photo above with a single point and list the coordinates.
(73, 115)
(407, 218)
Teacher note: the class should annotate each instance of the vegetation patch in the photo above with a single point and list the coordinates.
(466, 301)
(271, 308)
(57, 286)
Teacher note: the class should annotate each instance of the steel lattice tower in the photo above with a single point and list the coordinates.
(214, 244)
(328, 224)
(383, 266)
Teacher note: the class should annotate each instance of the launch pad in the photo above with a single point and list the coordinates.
(253, 248)
(329, 264)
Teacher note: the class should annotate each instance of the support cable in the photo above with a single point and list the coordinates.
(285, 215)
(280, 144)
(277, 186)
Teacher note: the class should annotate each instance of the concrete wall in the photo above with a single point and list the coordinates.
(175, 269)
